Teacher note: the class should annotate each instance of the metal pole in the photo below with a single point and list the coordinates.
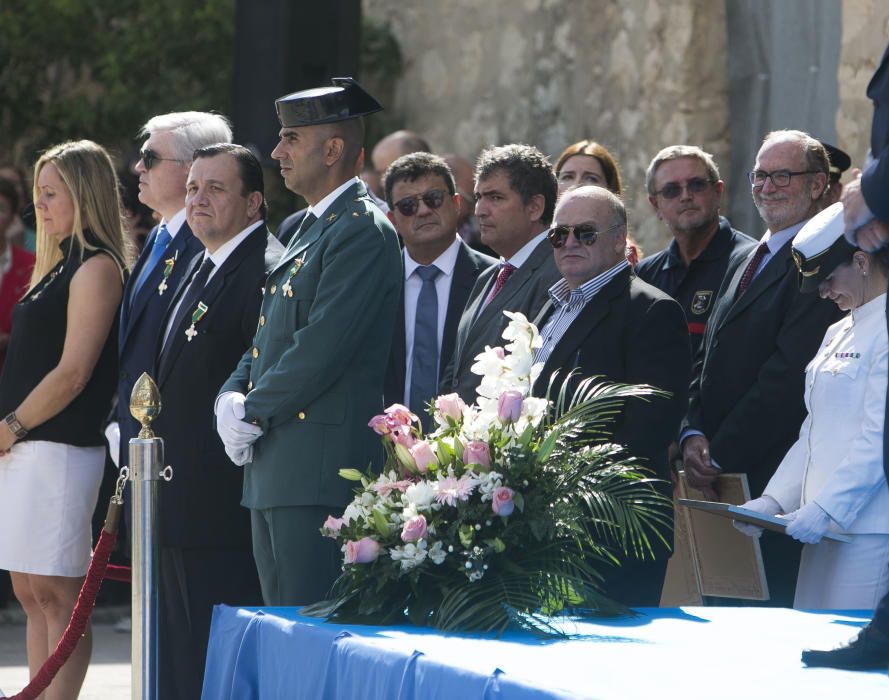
(146, 454)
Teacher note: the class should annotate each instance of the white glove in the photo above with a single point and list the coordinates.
(112, 435)
(765, 505)
(235, 432)
(808, 524)
(240, 456)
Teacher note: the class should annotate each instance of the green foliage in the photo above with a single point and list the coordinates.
(99, 69)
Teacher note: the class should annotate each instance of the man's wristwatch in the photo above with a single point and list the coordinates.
(15, 426)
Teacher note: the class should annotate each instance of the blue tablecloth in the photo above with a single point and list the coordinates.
(688, 653)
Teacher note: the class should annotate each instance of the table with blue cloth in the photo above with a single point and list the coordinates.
(660, 653)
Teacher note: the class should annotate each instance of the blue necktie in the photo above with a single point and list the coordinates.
(424, 365)
(158, 248)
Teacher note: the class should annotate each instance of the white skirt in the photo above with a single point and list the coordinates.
(48, 492)
(843, 575)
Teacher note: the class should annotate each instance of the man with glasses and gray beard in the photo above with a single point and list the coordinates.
(601, 321)
(746, 395)
(685, 190)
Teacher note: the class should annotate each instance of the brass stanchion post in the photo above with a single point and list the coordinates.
(146, 453)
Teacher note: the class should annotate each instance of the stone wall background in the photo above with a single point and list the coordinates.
(635, 75)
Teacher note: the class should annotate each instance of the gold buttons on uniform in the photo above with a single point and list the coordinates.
(301, 415)
(262, 320)
(255, 353)
(273, 289)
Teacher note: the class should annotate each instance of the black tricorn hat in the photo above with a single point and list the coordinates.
(344, 99)
(840, 161)
(820, 246)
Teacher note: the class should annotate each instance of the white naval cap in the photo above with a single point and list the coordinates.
(820, 246)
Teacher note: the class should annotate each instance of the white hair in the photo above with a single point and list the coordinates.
(190, 130)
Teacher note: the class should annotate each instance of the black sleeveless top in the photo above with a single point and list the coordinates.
(39, 324)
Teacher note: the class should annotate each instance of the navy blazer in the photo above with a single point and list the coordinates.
(141, 323)
(875, 178)
(470, 264)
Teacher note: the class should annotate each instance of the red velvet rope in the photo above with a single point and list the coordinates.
(79, 618)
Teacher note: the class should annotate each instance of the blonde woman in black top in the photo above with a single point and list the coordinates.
(55, 390)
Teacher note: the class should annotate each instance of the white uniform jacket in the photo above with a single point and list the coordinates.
(838, 459)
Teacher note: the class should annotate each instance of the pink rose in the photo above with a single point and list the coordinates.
(477, 452)
(332, 525)
(502, 503)
(423, 455)
(414, 529)
(400, 415)
(379, 424)
(450, 406)
(363, 551)
(509, 406)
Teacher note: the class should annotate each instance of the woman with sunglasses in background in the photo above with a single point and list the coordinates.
(589, 163)
(55, 392)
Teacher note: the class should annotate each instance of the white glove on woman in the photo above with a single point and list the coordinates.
(765, 505)
(235, 432)
(112, 435)
(808, 524)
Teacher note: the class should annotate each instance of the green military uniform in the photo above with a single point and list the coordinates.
(313, 377)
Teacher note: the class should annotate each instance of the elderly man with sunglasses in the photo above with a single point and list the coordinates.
(602, 321)
(746, 396)
(685, 190)
(439, 273)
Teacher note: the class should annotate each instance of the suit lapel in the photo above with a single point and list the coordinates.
(771, 274)
(461, 285)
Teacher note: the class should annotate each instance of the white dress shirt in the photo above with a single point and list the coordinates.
(322, 206)
(412, 286)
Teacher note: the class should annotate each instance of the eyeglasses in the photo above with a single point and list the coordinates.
(695, 185)
(408, 205)
(584, 233)
(779, 178)
(149, 158)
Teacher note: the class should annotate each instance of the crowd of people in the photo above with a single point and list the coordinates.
(273, 351)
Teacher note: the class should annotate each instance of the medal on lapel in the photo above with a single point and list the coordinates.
(297, 264)
(198, 314)
(169, 263)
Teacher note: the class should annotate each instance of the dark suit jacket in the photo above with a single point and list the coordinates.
(875, 178)
(140, 323)
(466, 270)
(201, 507)
(746, 393)
(526, 291)
(314, 376)
(630, 332)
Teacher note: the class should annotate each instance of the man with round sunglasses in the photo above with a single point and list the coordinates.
(685, 190)
(439, 273)
(515, 195)
(603, 321)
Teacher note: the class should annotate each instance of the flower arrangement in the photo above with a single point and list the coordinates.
(505, 513)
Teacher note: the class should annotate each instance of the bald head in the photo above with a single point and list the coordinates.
(585, 209)
(391, 147)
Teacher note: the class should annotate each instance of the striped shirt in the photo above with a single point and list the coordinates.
(567, 305)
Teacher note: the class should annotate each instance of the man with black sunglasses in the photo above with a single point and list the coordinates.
(746, 396)
(685, 190)
(515, 195)
(602, 321)
(439, 273)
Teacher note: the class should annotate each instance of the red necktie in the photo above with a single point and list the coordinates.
(504, 274)
(752, 266)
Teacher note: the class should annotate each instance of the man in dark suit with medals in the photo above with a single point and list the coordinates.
(205, 555)
(515, 195)
(602, 321)
(746, 397)
(163, 168)
(439, 272)
(296, 408)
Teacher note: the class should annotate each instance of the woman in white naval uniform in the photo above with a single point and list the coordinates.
(832, 479)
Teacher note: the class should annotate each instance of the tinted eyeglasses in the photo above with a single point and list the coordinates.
(779, 178)
(695, 185)
(584, 233)
(431, 198)
(149, 158)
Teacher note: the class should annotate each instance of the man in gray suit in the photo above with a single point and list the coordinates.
(515, 195)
